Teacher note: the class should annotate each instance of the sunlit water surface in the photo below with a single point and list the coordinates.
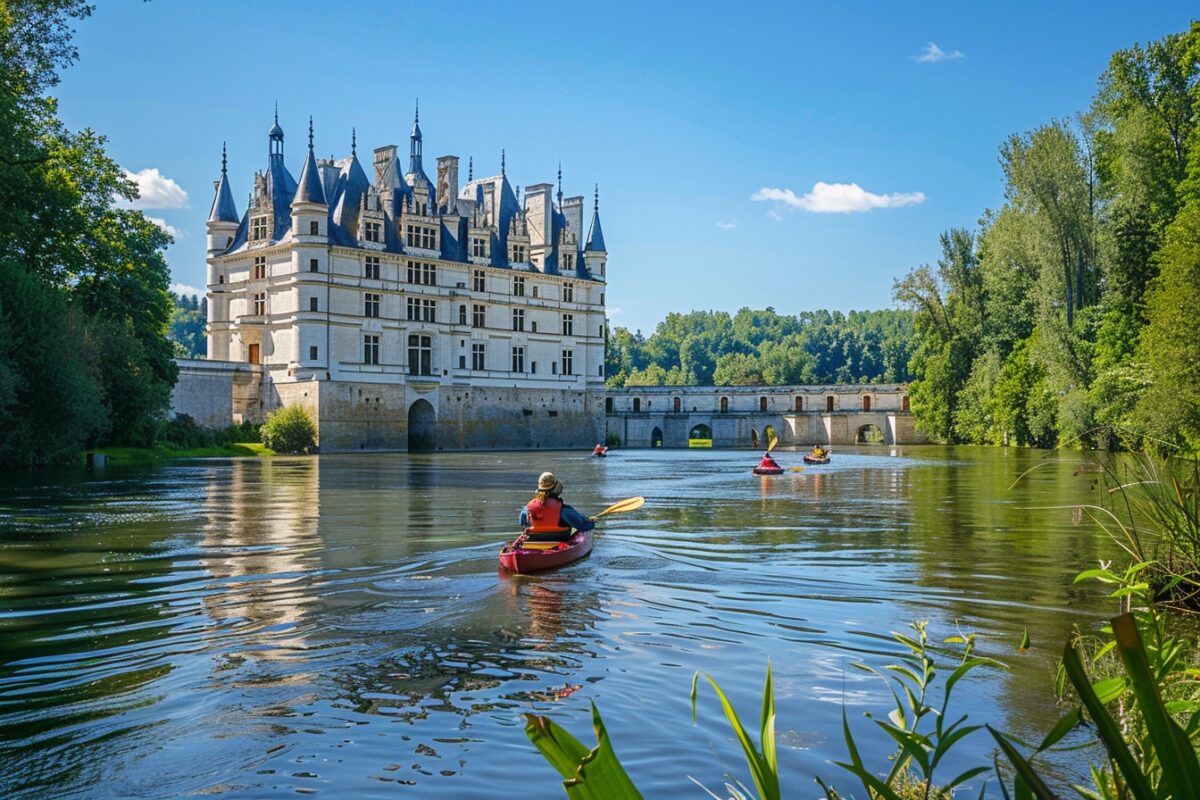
(338, 625)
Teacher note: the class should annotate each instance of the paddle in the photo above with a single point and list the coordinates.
(771, 445)
(795, 469)
(629, 504)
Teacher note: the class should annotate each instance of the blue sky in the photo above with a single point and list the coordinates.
(683, 114)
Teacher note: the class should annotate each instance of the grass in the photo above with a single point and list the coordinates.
(143, 455)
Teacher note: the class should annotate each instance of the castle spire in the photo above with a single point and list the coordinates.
(560, 183)
(354, 142)
(223, 209)
(502, 162)
(309, 188)
(275, 136)
(595, 238)
(470, 168)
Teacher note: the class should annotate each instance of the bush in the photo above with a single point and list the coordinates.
(289, 430)
(612, 439)
(182, 433)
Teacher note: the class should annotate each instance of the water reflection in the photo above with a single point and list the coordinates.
(252, 628)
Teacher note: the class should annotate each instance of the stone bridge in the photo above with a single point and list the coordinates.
(749, 416)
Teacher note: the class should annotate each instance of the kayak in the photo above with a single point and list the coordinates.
(520, 556)
(601, 455)
(811, 459)
(767, 471)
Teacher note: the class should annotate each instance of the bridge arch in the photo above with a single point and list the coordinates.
(422, 426)
(869, 434)
(700, 432)
(656, 437)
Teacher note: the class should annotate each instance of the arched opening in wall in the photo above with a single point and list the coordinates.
(769, 434)
(422, 427)
(799, 403)
(700, 436)
(637, 404)
(753, 438)
(762, 404)
(724, 404)
(608, 405)
(828, 404)
(869, 434)
(866, 402)
(676, 404)
(656, 437)
(904, 403)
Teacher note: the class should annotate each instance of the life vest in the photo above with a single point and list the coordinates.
(768, 463)
(543, 516)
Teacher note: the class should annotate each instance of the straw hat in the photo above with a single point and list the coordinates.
(548, 483)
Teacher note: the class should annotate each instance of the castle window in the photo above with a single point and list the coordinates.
(478, 316)
(799, 403)
(314, 228)
(602, 298)
(312, 353)
(553, 368)
(533, 368)
(568, 361)
(518, 254)
(371, 349)
(420, 236)
(518, 359)
(260, 304)
(519, 286)
(371, 267)
(373, 231)
(724, 404)
(314, 265)
(568, 293)
(462, 315)
(258, 228)
(420, 355)
(518, 319)
(478, 247)
(260, 267)
(312, 304)
(568, 261)
(478, 356)
(535, 290)
(479, 280)
(371, 304)
(421, 310)
(568, 324)
(422, 274)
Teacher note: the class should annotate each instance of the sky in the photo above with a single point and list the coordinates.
(796, 155)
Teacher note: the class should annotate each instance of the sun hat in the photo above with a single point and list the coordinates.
(548, 483)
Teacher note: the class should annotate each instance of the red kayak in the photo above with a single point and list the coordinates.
(767, 470)
(521, 556)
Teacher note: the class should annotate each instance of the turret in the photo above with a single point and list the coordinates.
(310, 212)
(222, 217)
(595, 254)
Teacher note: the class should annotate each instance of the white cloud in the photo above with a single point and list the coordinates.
(156, 190)
(775, 215)
(932, 54)
(166, 226)
(183, 290)
(727, 226)
(838, 198)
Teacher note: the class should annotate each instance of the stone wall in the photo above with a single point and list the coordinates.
(205, 390)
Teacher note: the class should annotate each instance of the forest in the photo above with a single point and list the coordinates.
(752, 348)
(84, 306)
(1064, 318)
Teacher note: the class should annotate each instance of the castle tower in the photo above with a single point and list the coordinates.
(594, 254)
(310, 212)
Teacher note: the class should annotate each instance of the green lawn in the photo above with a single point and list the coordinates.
(133, 455)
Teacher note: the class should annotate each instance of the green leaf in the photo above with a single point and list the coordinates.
(766, 733)
(560, 748)
(766, 779)
(1061, 728)
(965, 776)
(589, 775)
(1025, 770)
(1024, 641)
(1106, 727)
(1180, 768)
(1109, 689)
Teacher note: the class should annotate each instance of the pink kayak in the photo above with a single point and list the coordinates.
(521, 556)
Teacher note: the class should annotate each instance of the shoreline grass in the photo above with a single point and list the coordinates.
(143, 455)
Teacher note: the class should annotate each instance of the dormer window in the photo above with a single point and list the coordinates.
(422, 236)
(519, 255)
(478, 247)
(373, 231)
(568, 261)
(258, 228)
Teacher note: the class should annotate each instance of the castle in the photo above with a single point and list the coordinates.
(405, 312)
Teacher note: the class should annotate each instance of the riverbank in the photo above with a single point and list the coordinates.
(142, 455)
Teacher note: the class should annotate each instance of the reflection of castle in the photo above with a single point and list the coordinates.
(259, 541)
(402, 310)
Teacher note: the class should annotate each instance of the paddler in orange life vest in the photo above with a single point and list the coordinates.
(546, 517)
(768, 462)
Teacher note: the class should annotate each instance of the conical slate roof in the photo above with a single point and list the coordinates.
(309, 187)
(223, 208)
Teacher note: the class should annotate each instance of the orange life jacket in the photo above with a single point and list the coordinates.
(543, 516)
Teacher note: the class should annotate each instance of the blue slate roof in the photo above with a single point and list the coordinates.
(595, 239)
(223, 208)
(310, 188)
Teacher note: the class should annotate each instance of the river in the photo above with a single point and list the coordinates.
(337, 624)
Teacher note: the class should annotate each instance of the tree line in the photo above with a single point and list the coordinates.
(1067, 315)
(189, 314)
(84, 305)
(764, 347)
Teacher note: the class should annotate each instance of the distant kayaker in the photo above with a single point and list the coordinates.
(600, 450)
(547, 517)
(768, 462)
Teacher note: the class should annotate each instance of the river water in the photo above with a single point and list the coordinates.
(338, 625)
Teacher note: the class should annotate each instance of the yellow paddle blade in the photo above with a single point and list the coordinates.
(630, 504)
(795, 469)
(771, 446)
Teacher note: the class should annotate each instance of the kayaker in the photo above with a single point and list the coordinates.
(600, 450)
(818, 451)
(768, 462)
(546, 517)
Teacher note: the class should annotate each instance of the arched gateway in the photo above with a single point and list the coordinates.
(422, 426)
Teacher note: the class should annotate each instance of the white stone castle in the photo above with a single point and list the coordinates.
(405, 312)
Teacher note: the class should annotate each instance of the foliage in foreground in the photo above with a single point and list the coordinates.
(290, 430)
(1149, 730)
